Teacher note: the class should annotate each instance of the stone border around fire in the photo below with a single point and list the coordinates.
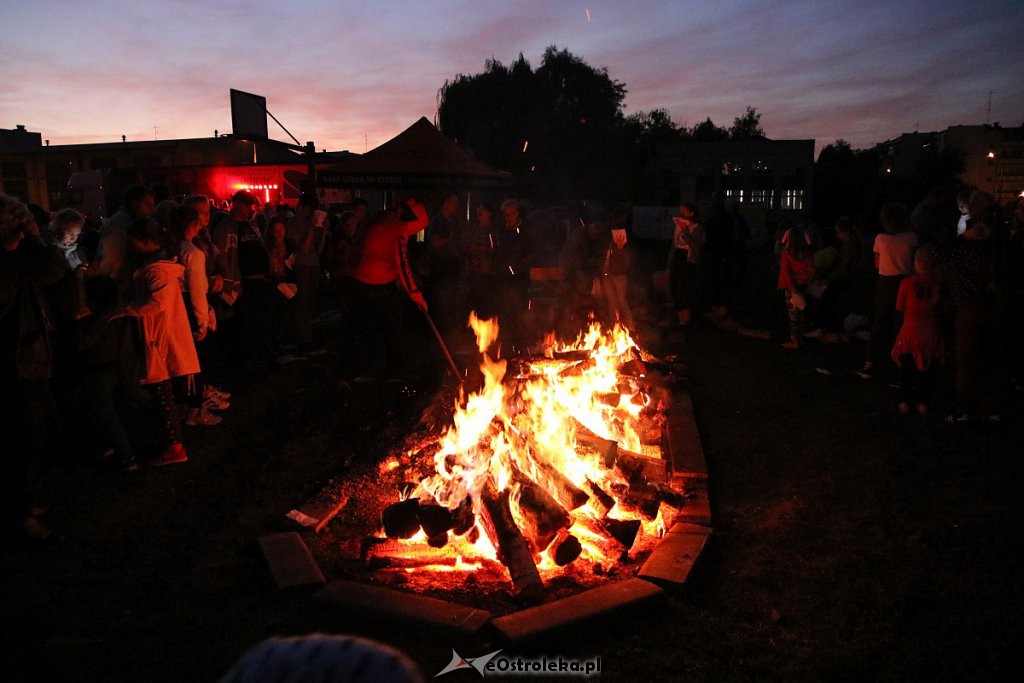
(669, 565)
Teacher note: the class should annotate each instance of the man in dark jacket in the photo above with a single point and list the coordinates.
(26, 362)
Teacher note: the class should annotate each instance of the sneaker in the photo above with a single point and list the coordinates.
(172, 456)
(128, 465)
(815, 334)
(202, 417)
(214, 403)
(790, 345)
(216, 391)
(866, 372)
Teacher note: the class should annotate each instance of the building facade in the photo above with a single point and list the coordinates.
(217, 166)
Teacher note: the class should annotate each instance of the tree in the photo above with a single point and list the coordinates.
(707, 131)
(747, 126)
(558, 128)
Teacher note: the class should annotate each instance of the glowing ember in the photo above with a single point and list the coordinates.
(555, 461)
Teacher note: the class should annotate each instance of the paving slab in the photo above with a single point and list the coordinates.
(673, 558)
(290, 562)
(385, 604)
(598, 602)
(685, 450)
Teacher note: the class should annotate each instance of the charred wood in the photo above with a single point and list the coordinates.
(565, 548)
(508, 541)
(601, 501)
(400, 519)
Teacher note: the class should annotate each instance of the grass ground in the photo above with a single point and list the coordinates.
(851, 542)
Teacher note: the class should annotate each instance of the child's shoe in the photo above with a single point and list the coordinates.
(172, 456)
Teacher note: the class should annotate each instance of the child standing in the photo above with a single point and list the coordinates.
(684, 261)
(796, 270)
(918, 347)
(160, 308)
(618, 261)
(894, 259)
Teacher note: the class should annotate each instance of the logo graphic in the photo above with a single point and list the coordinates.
(478, 663)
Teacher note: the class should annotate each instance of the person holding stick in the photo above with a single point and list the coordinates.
(380, 274)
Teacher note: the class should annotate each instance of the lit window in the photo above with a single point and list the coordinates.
(792, 200)
(734, 195)
(764, 197)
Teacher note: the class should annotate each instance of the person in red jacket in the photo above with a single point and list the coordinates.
(381, 273)
(796, 270)
(158, 304)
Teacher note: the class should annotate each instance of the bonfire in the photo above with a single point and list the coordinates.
(555, 465)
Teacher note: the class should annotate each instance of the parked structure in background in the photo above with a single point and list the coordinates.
(992, 156)
(91, 177)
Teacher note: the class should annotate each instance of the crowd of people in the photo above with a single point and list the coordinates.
(945, 292)
(141, 315)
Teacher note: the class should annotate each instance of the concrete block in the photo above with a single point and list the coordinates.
(597, 602)
(673, 559)
(290, 562)
(385, 604)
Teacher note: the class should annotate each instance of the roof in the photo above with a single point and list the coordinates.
(418, 156)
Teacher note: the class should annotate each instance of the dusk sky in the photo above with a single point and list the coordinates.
(350, 75)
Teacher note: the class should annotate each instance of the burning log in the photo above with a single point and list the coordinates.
(565, 548)
(380, 553)
(577, 369)
(645, 499)
(633, 368)
(622, 530)
(463, 518)
(512, 548)
(542, 516)
(593, 533)
(434, 519)
(400, 519)
(651, 469)
(600, 500)
(564, 491)
(439, 540)
(607, 448)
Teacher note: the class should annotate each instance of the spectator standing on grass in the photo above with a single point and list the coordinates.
(280, 249)
(894, 258)
(512, 275)
(202, 320)
(214, 396)
(26, 361)
(64, 232)
(973, 272)
(618, 262)
(99, 345)
(381, 268)
(226, 233)
(338, 251)
(684, 262)
(111, 256)
(918, 349)
(307, 232)
(445, 268)
(478, 260)
(796, 270)
(158, 304)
